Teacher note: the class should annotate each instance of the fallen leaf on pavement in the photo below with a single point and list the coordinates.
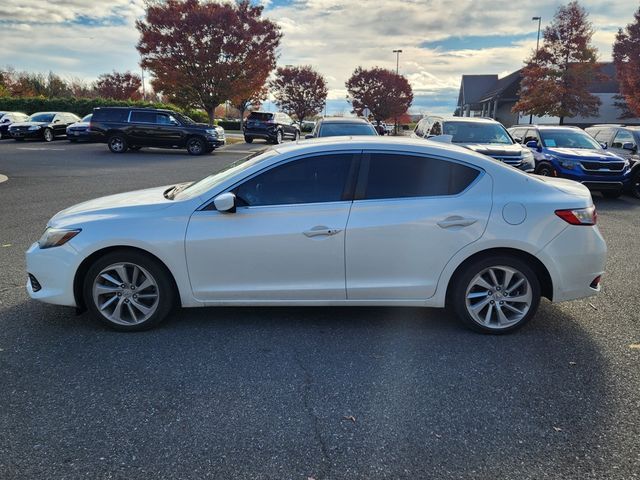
(6, 245)
(635, 346)
(557, 429)
(350, 417)
(572, 363)
(593, 306)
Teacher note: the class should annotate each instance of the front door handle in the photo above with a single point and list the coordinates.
(456, 221)
(321, 230)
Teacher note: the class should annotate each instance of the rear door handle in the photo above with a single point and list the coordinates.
(321, 230)
(456, 221)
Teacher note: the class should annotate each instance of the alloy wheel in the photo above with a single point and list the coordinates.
(116, 144)
(195, 146)
(125, 294)
(48, 135)
(498, 297)
(279, 137)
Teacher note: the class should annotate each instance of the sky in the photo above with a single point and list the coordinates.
(440, 40)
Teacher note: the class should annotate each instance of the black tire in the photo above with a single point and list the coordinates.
(248, 139)
(47, 135)
(612, 193)
(635, 183)
(545, 169)
(165, 288)
(117, 143)
(278, 138)
(462, 283)
(196, 146)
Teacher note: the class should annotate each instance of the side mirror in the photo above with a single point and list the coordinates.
(57, 120)
(629, 146)
(604, 145)
(532, 144)
(225, 202)
(517, 139)
(309, 137)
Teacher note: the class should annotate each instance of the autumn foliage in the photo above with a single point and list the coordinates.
(299, 91)
(385, 93)
(556, 78)
(119, 86)
(203, 53)
(626, 57)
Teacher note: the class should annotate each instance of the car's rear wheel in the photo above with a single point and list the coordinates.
(128, 291)
(196, 146)
(612, 194)
(545, 169)
(635, 183)
(117, 143)
(497, 294)
(47, 135)
(248, 139)
(278, 139)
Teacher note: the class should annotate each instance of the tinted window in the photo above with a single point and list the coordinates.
(143, 117)
(568, 139)
(621, 138)
(436, 129)
(263, 117)
(42, 117)
(477, 132)
(110, 115)
(397, 176)
(314, 179)
(337, 129)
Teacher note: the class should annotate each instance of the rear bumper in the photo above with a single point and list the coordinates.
(574, 259)
(260, 133)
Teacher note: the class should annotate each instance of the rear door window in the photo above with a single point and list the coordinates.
(111, 115)
(143, 117)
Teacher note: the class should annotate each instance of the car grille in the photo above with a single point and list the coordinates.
(19, 129)
(510, 159)
(602, 167)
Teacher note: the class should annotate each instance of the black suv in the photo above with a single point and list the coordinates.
(273, 127)
(125, 128)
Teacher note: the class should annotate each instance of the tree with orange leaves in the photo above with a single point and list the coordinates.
(626, 57)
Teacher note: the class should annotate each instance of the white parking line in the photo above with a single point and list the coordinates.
(3, 178)
(41, 149)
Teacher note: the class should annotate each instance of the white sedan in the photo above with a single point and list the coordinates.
(337, 221)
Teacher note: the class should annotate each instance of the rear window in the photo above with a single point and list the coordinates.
(339, 129)
(263, 117)
(110, 115)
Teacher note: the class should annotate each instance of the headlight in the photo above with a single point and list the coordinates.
(212, 132)
(35, 127)
(54, 237)
(569, 164)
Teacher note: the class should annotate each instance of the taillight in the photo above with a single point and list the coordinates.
(579, 216)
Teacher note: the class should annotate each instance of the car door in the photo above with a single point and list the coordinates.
(285, 240)
(58, 125)
(168, 131)
(141, 128)
(410, 215)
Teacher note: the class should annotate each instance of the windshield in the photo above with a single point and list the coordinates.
(207, 183)
(42, 117)
(87, 118)
(568, 139)
(472, 132)
(339, 129)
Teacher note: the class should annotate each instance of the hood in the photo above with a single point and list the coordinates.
(584, 154)
(148, 200)
(565, 185)
(79, 124)
(28, 124)
(491, 149)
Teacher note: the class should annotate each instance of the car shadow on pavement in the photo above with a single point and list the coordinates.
(318, 392)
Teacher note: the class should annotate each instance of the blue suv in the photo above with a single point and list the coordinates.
(569, 152)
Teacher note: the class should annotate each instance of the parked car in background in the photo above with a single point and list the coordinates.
(274, 127)
(43, 126)
(342, 126)
(7, 118)
(482, 135)
(357, 221)
(131, 128)
(79, 131)
(623, 141)
(307, 126)
(570, 152)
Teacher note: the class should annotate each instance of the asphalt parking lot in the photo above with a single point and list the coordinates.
(298, 393)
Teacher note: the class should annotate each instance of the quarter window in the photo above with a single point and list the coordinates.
(398, 176)
(320, 178)
(143, 117)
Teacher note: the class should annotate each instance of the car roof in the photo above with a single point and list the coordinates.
(343, 120)
(142, 109)
(451, 118)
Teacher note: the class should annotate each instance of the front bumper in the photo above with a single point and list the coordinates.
(54, 269)
(614, 181)
(574, 259)
(26, 133)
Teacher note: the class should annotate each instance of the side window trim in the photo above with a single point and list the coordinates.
(363, 176)
(347, 190)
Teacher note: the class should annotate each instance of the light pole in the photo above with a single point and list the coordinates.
(397, 52)
(539, 19)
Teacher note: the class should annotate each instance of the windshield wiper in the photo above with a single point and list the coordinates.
(171, 193)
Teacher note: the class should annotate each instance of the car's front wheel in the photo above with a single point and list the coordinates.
(497, 294)
(545, 169)
(248, 139)
(635, 183)
(196, 146)
(117, 143)
(47, 135)
(128, 290)
(278, 139)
